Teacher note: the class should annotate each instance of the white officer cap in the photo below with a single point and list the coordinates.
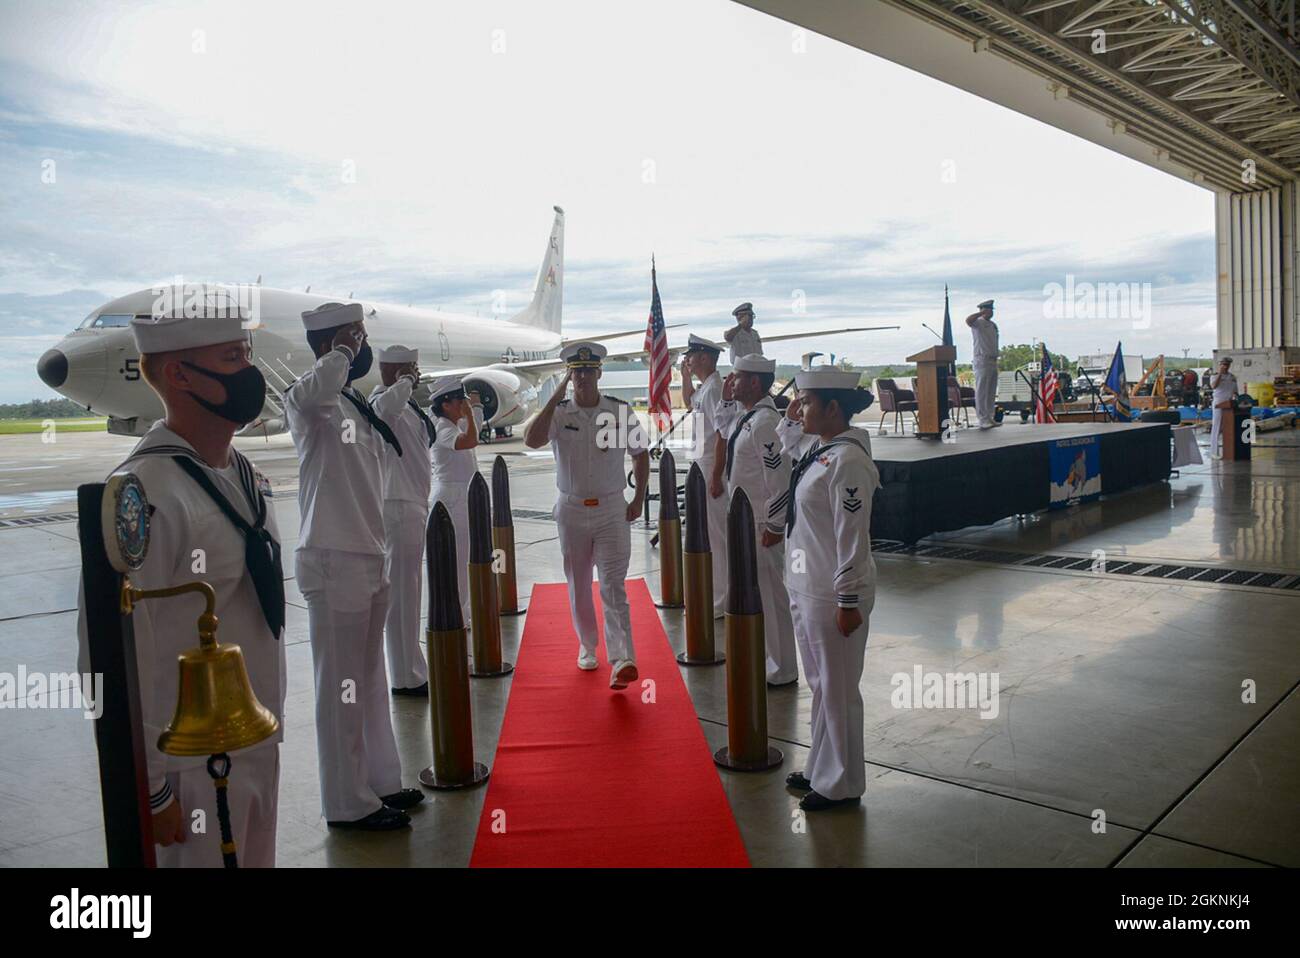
(399, 354)
(329, 315)
(165, 334)
(827, 377)
(754, 363)
(446, 386)
(578, 355)
(698, 343)
(742, 308)
(987, 304)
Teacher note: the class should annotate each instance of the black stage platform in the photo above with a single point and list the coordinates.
(929, 486)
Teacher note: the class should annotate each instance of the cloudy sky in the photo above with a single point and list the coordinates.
(139, 142)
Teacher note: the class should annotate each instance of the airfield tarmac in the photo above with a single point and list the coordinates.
(1121, 695)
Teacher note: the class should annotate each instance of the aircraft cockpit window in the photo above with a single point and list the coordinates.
(108, 320)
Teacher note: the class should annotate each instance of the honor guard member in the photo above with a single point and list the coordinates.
(340, 564)
(985, 332)
(832, 582)
(458, 421)
(742, 337)
(1224, 386)
(589, 435)
(705, 401)
(756, 463)
(407, 480)
(212, 520)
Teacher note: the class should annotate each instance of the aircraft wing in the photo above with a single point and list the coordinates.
(544, 367)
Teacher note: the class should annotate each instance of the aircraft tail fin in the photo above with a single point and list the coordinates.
(544, 311)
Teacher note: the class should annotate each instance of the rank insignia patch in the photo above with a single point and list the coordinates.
(771, 459)
(851, 502)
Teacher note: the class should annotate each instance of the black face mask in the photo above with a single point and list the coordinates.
(361, 364)
(245, 393)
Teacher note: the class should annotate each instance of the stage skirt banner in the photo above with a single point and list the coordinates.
(1074, 469)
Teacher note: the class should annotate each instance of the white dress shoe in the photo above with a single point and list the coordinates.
(623, 672)
(586, 660)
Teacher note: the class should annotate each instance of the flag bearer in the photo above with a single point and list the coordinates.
(590, 435)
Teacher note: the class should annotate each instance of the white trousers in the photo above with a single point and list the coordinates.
(455, 498)
(1216, 431)
(253, 795)
(347, 599)
(778, 627)
(598, 537)
(404, 523)
(986, 391)
(832, 663)
(717, 510)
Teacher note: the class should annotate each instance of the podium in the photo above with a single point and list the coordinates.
(1233, 430)
(932, 368)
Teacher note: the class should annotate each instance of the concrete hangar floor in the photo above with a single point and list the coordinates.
(1118, 692)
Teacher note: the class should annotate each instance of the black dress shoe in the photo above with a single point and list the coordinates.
(421, 691)
(383, 819)
(404, 799)
(796, 780)
(813, 802)
(782, 685)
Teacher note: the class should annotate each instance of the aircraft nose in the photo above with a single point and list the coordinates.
(52, 367)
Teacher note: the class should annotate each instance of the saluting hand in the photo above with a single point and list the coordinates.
(847, 620)
(794, 411)
(349, 336)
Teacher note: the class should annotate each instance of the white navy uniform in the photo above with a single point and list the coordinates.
(759, 466)
(407, 481)
(706, 402)
(1225, 387)
(185, 518)
(829, 567)
(452, 470)
(985, 333)
(590, 446)
(340, 567)
(745, 342)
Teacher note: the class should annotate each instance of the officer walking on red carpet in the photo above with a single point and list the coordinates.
(339, 438)
(590, 436)
(756, 463)
(831, 577)
(406, 511)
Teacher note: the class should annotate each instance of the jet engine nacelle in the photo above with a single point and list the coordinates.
(508, 398)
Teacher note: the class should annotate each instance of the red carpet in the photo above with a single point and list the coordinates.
(587, 776)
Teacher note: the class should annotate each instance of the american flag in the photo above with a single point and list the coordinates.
(656, 344)
(1047, 388)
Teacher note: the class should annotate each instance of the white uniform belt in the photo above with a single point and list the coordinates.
(591, 500)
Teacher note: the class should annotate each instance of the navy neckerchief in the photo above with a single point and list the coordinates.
(368, 414)
(802, 466)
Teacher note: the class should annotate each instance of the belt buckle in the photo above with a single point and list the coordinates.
(591, 502)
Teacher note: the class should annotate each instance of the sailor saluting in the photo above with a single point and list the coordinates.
(339, 438)
(212, 521)
(754, 461)
(590, 435)
(832, 581)
(406, 511)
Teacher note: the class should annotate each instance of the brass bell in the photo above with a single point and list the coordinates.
(216, 708)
